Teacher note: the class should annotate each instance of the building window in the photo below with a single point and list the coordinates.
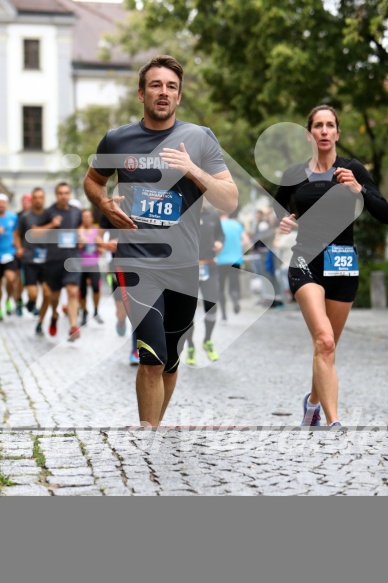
(33, 128)
(31, 54)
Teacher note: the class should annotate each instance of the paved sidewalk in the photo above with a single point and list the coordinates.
(63, 408)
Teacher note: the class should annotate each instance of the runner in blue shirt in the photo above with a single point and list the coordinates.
(231, 255)
(8, 264)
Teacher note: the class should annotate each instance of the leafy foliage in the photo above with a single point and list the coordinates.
(254, 63)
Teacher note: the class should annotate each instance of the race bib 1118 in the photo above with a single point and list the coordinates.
(156, 207)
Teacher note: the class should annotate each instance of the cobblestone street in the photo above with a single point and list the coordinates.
(64, 408)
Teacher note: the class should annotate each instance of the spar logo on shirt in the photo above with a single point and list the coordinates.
(133, 163)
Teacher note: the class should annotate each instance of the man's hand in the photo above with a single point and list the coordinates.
(56, 222)
(2, 230)
(178, 160)
(111, 209)
(20, 252)
(217, 247)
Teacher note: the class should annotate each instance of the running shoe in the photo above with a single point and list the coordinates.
(1, 315)
(121, 327)
(134, 358)
(98, 319)
(191, 360)
(35, 311)
(336, 424)
(74, 334)
(209, 349)
(8, 307)
(19, 308)
(311, 417)
(53, 325)
(39, 330)
(30, 306)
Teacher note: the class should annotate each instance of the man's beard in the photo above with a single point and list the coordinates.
(160, 115)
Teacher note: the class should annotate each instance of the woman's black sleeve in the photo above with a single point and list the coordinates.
(374, 202)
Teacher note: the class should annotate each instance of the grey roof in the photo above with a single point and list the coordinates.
(42, 6)
(93, 20)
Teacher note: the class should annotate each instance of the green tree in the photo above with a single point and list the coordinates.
(251, 64)
(268, 61)
(79, 135)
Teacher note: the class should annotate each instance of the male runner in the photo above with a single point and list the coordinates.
(62, 221)
(164, 166)
(211, 241)
(8, 264)
(33, 257)
(19, 281)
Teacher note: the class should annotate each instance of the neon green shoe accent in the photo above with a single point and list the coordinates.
(1, 315)
(141, 344)
(191, 360)
(8, 307)
(209, 349)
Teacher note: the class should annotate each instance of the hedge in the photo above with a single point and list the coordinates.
(366, 268)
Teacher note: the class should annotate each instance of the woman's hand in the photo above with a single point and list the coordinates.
(288, 224)
(346, 177)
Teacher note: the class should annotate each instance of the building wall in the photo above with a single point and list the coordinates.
(56, 87)
(95, 90)
(50, 87)
(3, 97)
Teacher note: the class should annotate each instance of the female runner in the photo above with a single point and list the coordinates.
(324, 274)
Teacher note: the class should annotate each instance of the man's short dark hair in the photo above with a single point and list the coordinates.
(60, 185)
(37, 189)
(161, 61)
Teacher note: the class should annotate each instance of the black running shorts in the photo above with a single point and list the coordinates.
(161, 305)
(11, 266)
(33, 273)
(95, 281)
(339, 289)
(58, 277)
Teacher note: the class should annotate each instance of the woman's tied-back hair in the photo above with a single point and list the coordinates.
(161, 61)
(313, 113)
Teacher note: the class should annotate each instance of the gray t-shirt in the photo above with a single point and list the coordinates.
(164, 204)
(62, 243)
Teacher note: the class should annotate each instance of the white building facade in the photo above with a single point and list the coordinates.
(46, 75)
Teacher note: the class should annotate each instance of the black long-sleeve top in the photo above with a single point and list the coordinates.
(332, 220)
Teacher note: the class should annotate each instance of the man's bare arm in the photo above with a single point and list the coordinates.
(96, 191)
